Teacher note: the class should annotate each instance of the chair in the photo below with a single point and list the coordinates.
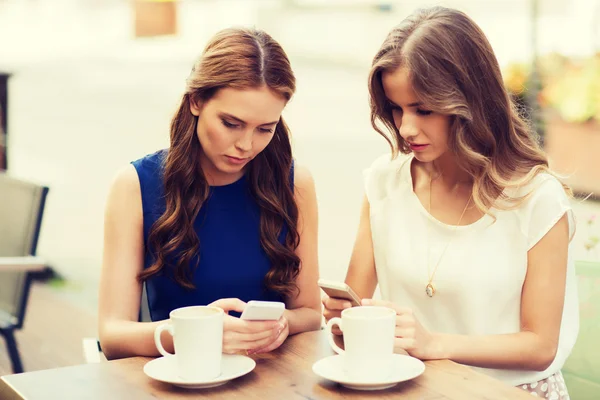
(582, 369)
(21, 209)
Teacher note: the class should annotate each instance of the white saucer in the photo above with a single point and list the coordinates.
(233, 366)
(404, 368)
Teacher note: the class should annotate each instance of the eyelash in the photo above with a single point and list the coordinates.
(229, 125)
(421, 112)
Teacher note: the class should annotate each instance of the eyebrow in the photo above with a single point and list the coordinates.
(241, 121)
(416, 104)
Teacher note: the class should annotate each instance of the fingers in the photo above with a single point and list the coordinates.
(406, 333)
(329, 314)
(278, 342)
(230, 304)
(231, 346)
(275, 344)
(250, 335)
(333, 307)
(406, 344)
(336, 304)
(242, 326)
(382, 303)
(283, 321)
(232, 336)
(405, 321)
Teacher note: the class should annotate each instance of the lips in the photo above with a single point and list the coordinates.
(236, 160)
(417, 146)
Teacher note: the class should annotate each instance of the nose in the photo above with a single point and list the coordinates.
(408, 127)
(244, 143)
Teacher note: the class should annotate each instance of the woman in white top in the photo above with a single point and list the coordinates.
(468, 236)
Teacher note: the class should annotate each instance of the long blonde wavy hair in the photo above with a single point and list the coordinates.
(453, 70)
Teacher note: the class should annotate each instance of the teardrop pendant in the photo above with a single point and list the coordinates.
(430, 289)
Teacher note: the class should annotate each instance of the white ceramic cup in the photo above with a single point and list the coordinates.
(369, 333)
(198, 340)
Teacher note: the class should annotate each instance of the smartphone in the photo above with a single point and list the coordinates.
(263, 310)
(339, 290)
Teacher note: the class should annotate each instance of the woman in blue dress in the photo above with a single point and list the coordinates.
(222, 216)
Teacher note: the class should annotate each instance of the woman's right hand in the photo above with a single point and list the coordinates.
(245, 336)
(334, 308)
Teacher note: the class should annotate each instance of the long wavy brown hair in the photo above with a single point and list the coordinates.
(239, 59)
(453, 70)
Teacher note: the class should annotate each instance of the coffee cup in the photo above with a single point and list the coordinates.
(198, 341)
(369, 333)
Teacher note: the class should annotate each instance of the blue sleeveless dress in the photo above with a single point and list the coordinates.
(232, 262)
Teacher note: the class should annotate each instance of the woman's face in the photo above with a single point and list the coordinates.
(234, 126)
(425, 131)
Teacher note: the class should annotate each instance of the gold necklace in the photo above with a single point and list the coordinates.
(429, 288)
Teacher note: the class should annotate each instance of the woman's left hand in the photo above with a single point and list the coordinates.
(411, 336)
(279, 339)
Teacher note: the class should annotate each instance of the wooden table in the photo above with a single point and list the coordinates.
(283, 374)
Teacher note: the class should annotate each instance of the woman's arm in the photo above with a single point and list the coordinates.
(542, 301)
(121, 335)
(304, 310)
(361, 275)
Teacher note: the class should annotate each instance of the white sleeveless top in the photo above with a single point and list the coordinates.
(479, 280)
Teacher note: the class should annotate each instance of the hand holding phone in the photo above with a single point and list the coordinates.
(339, 290)
(263, 311)
(340, 295)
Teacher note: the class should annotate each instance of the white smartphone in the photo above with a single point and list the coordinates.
(339, 290)
(263, 310)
